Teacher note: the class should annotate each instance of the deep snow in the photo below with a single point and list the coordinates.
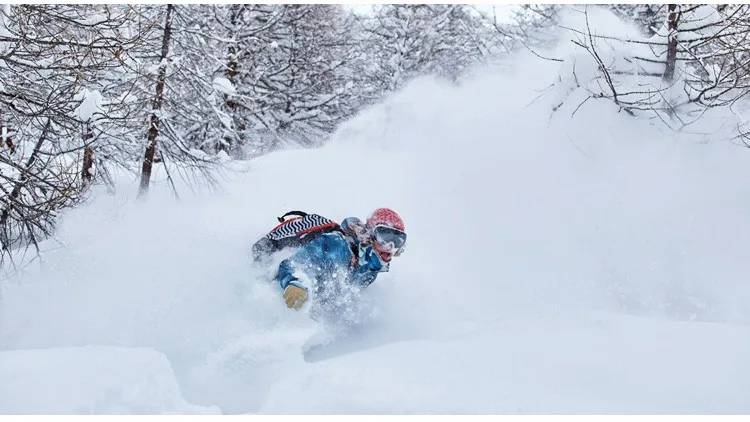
(594, 264)
(91, 379)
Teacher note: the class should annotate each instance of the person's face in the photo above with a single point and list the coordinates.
(387, 241)
(385, 254)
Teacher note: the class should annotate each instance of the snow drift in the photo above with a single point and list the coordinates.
(585, 264)
(600, 364)
(90, 380)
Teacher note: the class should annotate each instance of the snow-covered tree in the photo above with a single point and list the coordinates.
(648, 17)
(175, 89)
(404, 41)
(303, 79)
(51, 57)
(184, 97)
(285, 73)
(695, 61)
(530, 26)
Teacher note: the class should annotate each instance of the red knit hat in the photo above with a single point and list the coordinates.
(385, 217)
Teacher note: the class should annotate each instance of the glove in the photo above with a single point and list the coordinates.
(295, 296)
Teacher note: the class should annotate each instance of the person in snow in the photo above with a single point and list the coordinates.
(350, 258)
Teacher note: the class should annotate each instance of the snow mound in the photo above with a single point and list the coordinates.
(588, 363)
(91, 380)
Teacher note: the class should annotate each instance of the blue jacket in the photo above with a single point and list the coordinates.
(318, 265)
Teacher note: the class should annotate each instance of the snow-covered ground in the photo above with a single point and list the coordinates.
(91, 379)
(588, 265)
(589, 363)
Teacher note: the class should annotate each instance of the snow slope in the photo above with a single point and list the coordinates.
(90, 380)
(590, 364)
(593, 264)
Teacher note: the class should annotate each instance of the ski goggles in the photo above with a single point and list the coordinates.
(388, 238)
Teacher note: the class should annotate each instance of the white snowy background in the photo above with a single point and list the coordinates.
(595, 264)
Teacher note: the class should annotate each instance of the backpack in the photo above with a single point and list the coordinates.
(294, 232)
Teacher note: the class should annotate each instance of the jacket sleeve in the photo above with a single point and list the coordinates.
(315, 261)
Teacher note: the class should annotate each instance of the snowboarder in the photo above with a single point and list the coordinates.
(351, 257)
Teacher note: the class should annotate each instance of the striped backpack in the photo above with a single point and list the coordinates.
(294, 232)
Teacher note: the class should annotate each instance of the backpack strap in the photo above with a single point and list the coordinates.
(354, 247)
(290, 213)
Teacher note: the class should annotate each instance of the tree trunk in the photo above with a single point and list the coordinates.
(232, 62)
(6, 135)
(153, 130)
(88, 163)
(672, 19)
(88, 156)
